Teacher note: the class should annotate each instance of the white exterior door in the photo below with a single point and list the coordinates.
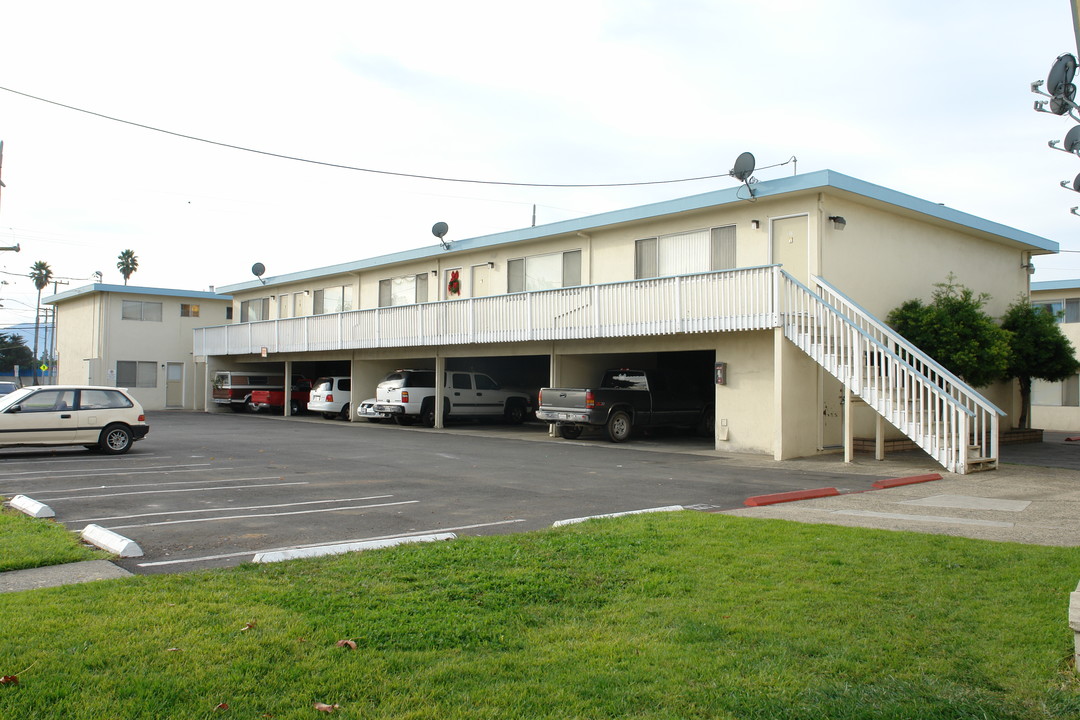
(480, 281)
(791, 246)
(174, 385)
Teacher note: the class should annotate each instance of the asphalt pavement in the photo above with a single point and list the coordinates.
(1033, 497)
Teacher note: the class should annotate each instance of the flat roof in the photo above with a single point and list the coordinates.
(133, 290)
(797, 183)
(1055, 285)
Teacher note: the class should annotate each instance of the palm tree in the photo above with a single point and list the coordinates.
(128, 264)
(41, 275)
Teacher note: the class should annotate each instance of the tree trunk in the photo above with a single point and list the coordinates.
(37, 324)
(1025, 403)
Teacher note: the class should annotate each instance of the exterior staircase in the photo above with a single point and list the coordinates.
(944, 416)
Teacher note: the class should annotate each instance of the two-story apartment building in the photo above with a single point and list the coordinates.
(138, 338)
(783, 282)
(1056, 405)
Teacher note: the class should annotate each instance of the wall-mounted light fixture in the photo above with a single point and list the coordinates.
(434, 273)
(1030, 267)
(491, 265)
(838, 222)
(756, 224)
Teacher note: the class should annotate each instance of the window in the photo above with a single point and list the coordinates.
(1056, 394)
(1055, 308)
(461, 381)
(332, 300)
(49, 401)
(228, 312)
(189, 310)
(1072, 310)
(403, 290)
(544, 272)
(255, 310)
(483, 382)
(138, 310)
(131, 373)
(102, 400)
(685, 253)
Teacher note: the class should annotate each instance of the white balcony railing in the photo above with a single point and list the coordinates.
(727, 300)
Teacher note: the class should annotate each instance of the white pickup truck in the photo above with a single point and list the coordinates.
(409, 395)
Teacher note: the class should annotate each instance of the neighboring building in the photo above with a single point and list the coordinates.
(1055, 406)
(135, 337)
(755, 282)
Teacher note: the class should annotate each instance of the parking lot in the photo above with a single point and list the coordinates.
(206, 490)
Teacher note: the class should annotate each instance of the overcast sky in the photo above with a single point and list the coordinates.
(928, 98)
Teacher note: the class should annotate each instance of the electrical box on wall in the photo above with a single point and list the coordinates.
(721, 373)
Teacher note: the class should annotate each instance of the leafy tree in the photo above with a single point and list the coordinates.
(41, 275)
(127, 264)
(13, 351)
(955, 330)
(1039, 351)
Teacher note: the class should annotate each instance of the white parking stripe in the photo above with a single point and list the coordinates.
(179, 482)
(82, 460)
(230, 508)
(155, 492)
(226, 556)
(84, 471)
(264, 515)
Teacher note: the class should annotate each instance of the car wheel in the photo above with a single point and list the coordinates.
(515, 413)
(251, 407)
(570, 432)
(115, 439)
(619, 426)
(329, 416)
(294, 407)
(344, 414)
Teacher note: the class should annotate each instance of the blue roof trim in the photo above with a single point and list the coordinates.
(1055, 285)
(133, 290)
(820, 179)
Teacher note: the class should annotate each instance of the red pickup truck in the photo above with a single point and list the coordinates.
(274, 400)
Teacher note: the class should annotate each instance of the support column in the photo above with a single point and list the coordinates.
(849, 426)
(440, 386)
(287, 410)
(879, 438)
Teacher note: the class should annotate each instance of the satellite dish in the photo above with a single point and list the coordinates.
(1061, 74)
(744, 167)
(439, 230)
(1072, 139)
(257, 270)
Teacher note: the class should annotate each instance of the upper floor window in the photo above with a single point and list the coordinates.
(189, 310)
(685, 253)
(138, 310)
(255, 310)
(332, 300)
(403, 290)
(544, 272)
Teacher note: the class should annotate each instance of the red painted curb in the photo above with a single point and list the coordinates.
(759, 500)
(910, 480)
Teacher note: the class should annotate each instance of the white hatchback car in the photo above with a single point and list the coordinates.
(101, 418)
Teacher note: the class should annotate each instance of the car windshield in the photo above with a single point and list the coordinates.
(6, 387)
(13, 398)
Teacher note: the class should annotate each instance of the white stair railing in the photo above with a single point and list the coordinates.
(942, 415)
(986, 416)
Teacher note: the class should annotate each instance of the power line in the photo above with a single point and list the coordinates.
(360, 169)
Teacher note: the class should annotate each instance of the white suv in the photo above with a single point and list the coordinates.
(330, 396)
(409, 395)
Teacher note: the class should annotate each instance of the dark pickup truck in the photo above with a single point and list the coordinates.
(628, 399)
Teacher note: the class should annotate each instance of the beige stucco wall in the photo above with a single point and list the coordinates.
(92, 336)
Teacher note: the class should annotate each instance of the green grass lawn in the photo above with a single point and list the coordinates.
(27, 542)
(687, 615)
